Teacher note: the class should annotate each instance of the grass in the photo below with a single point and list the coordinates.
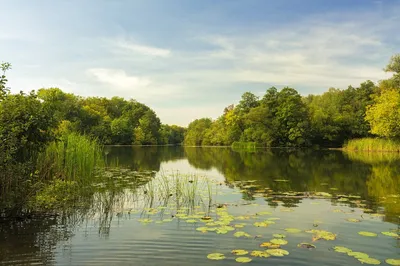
(74, 158)
(373, 144)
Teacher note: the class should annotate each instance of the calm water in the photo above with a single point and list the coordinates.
(131, 220)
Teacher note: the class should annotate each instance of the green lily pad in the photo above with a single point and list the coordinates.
(390, 234)
(371, 261)
(292, 230)
(243, 259)
(364, 233)
(260, 224)
(239, 252)
(263, 213)
(278, 252)
(279, 235)
(393, 262)
(278, 241)
(241, 234)
(341, 249)
(358, 255)
(216, 256)
(259, 253)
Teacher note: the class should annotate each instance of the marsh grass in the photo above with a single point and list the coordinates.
(74, 158)
(373, 144)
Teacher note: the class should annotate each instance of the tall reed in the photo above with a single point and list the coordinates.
(74, 158)
(373, 144)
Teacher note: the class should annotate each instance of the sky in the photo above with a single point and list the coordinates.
(190, 59)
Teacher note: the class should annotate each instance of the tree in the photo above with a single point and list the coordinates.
(196, 131)
(248, 101)
(384, 114)
(3, 79)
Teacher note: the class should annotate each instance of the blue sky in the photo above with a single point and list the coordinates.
(190, 59)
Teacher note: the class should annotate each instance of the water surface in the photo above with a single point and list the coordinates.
(123, 223)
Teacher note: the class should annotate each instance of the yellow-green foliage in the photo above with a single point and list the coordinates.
(75, 157)
(373, 144)
(58, 193)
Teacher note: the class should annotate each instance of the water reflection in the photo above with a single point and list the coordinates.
(283, 178)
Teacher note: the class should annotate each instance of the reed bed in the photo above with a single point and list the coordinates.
(75, 158)
(373, 144)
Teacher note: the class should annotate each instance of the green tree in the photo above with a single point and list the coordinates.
(384, 114)
(196, 131)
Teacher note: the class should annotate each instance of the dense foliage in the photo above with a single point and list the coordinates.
(286, 119)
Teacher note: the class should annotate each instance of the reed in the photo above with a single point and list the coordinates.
(74, 158)
(373, 144)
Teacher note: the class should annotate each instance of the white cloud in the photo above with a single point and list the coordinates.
(142, 49)
(119, 78)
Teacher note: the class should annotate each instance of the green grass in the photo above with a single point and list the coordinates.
(74, 158)
(373, 144)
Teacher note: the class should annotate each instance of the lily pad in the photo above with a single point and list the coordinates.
(216, 256)
(243, 259)
(371, 261)
(239, 252)
(269, 245)
(358, 255)
(341, 249)
(278, 252)
(259, 253)
(263, 213)
(278, 241)
(306, 245)
(390, 234)
(393, 262)
(279, 235)
(292, 230)
(364, 233)
(241, 234)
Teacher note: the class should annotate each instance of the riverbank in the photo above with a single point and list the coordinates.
(372, 145)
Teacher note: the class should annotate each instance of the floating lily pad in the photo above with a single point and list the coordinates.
(216, 256)
(278, 241)
(263, 213)
(239, 252)
(279, 235)
(306, 245)
(353, 220)
(371, 261)
(341, 249)
(364, 233)
(390, 234)
(393, 262)
(322, 234)
(358, 255)
(292, 230)
(277, 252)
(269, 245)
(243, 259)
(260, 224)
(259, 253)
(241, 234)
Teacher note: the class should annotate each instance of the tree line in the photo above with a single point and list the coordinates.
(286, 119)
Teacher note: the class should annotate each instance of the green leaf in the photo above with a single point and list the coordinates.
(390, 234)
(278, 241)
(306, 245)
(243, 259)
(364, 233)
(292, 230)
(393, 262)
(259, 253)
(241, 234)
(216, 256)
(279, 235)
(358, 255)
(341, 249)
(369, 261)
(239, 252)
(278, 252)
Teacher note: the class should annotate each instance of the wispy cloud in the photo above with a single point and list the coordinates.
(129, 46)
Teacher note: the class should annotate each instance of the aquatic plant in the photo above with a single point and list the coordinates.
(372, 144)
